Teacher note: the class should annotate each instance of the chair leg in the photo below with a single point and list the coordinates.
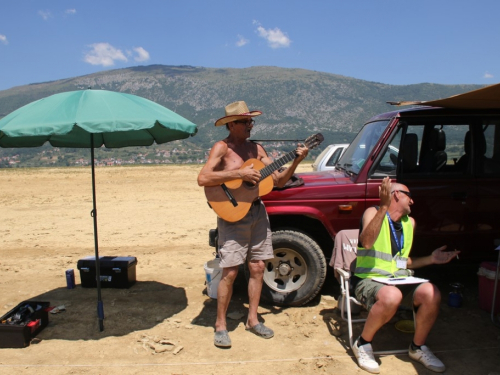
(347, 303)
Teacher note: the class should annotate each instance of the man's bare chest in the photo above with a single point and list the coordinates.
(235, 157)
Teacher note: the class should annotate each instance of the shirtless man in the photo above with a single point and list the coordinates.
(249, 239)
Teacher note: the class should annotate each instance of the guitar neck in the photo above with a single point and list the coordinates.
(268, 170)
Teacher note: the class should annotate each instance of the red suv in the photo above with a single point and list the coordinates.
(448, 157)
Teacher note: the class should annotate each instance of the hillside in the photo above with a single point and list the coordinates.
(295, 103)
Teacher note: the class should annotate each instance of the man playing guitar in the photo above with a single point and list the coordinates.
(248, 239)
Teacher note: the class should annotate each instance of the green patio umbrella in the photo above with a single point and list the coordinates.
(91, 119)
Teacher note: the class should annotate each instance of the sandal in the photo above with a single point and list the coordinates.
(222, 340)
(261, 330)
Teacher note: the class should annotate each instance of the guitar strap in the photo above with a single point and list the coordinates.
(229, 195)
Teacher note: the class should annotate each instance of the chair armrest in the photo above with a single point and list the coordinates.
(345, 274)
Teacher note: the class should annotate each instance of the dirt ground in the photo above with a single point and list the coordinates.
(159, 215)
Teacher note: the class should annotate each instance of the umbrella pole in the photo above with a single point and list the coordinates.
(100, 306)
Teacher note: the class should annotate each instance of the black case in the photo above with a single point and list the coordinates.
(116, 272)
(19, 336)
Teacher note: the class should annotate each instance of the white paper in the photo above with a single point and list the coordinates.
(399, 280)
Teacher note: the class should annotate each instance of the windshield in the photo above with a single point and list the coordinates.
(356, 154)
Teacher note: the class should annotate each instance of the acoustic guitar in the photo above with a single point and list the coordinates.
(232, 200)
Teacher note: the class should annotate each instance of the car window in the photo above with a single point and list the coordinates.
(335, 157)
(386, 164)
(360, 148)
(434, 149)
(429, 148)
(320, 157)
(443, 147)
(488, 159)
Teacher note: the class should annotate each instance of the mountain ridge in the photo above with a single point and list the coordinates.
(295, 102)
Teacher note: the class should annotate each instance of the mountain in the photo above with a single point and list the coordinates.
(295, 104)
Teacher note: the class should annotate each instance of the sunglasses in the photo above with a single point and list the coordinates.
(407, 193)
(245, 122)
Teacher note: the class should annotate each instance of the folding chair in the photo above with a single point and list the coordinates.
(344, 262)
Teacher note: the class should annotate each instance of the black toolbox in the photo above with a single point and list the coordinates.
(116, 272)
(22, 323)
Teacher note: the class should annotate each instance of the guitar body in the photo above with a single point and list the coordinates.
(233, 199)
(243, 193)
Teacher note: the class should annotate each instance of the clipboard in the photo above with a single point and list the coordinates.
(399, 280)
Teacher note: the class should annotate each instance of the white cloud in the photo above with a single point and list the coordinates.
(3, 39)
(275, 37)
(104, 54)
(488, 75)
(241, 41)
(45, 14)
(70, 11)
(142, 54)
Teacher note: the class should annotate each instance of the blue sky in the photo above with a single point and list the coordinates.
(389, 41)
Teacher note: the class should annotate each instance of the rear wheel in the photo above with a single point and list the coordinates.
(296, 273)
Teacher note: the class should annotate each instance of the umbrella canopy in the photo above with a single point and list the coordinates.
(90, 119)
(116, 120)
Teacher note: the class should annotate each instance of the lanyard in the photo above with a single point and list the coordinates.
(399, 245)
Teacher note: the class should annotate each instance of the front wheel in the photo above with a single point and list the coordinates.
(296, 273)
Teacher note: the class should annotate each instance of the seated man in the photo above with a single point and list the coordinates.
(385, 241)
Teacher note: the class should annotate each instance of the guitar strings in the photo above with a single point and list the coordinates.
(268, 170)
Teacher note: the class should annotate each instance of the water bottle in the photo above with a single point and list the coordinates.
(70, 278)
(455, 296)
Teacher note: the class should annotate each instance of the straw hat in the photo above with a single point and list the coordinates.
(236, 111)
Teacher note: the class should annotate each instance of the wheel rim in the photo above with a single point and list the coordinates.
(286, 272)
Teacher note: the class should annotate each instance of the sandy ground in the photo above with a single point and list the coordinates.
(159, 215)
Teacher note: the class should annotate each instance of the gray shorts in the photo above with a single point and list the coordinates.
(367, 289)
(250, 238)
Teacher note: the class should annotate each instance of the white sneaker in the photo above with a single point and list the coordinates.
(427, 358)
(366, 360)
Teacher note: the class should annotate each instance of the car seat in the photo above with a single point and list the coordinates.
(483, 164)
(435, 158)
(463, 162)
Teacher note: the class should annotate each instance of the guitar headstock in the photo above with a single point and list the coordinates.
(314, 140)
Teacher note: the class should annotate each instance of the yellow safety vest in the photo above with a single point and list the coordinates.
(378, 261)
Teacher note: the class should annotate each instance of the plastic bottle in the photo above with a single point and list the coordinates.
(70, 278)
(455, 296)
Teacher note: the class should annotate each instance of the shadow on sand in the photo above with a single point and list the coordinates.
(141, 307)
